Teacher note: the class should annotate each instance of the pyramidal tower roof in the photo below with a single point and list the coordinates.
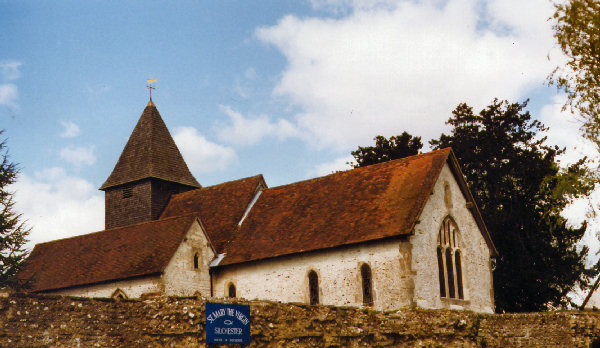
(150, 153)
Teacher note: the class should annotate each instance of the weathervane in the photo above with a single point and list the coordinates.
(150, 87)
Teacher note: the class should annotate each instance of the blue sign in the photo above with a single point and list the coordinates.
(227, 323)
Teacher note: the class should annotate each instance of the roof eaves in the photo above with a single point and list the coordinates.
(299, 252)
(107, 185)
(137, 276)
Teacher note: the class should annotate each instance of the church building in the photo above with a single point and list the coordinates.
(404, 233)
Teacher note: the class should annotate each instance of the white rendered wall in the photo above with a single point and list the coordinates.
(285, 279)
(475, 254)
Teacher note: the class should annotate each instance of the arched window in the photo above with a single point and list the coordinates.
(313, 287)
(449, 260)
(231, 290)
(196, 261)
(367, 284)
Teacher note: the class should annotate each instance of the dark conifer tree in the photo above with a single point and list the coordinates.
(521, 192)
(13, 232)
(398, 146)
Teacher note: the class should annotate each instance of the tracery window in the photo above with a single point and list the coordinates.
(449, 260)
(313, 287)
(367, 284)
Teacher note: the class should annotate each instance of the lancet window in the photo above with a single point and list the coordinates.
(196, 261)
(367, 284)
(313, 287)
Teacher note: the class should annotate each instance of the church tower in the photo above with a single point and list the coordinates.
(149, 170)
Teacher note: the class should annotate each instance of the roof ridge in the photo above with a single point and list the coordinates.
(230, 181)
(258, 176)
(413, 157)
(186, 215)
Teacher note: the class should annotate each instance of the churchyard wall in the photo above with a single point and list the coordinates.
(47, 321)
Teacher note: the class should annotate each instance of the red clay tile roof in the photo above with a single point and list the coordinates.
(219, 207)
(150, 153)
(118, 253)
(373, 202)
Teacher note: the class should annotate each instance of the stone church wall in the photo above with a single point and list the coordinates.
(42, 321)
(285, 279)
(180, 277)
(476, 265)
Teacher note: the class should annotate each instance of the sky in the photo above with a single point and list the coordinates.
(286, 89)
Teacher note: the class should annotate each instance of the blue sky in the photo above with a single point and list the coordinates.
(282, 88)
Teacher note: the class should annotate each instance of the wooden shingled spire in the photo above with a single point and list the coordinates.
(150, 153)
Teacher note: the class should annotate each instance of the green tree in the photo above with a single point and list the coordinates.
(577, 31)
(13, 232)
(521, 191)
(398, 146)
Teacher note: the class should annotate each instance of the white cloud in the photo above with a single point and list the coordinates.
(8, 94)
(71, 130)
(249, 131)
(9, 69)
(327, 168)
(56, 205)
(586, 209)
(201, 155)
(402, 66)
(564, 132)
(78, 155)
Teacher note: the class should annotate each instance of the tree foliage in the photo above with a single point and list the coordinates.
(13, 232)
(577, 31)
(521, 192)
(395, 147)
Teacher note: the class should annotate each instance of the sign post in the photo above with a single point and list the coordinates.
(227, 324)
